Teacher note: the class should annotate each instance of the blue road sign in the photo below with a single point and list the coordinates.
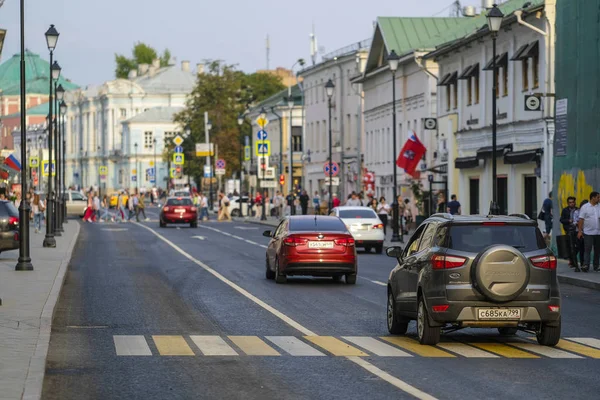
(178, 149)
(262, 135)
(263, 148)
(207, 171)
(134, 178)
(152, 180)
(45, 167)
(150, 171)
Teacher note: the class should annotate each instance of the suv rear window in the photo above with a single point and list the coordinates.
(186, 201)
(318, 224)
(475, 238)
(12, 210)
(357, 214)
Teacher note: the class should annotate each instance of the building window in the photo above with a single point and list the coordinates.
(525, 69)
(450, 80)
(148, 140)
(469, 92)
(505, 80)
(123, 112)
(455, 92)
(169, 136)
(296, 138)
(448, 98)
(535, 67)
(476, 84)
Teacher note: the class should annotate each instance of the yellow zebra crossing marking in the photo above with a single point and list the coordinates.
(366, 346)
(172, 346)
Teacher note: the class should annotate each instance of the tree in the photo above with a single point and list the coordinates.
(225, 93)
(141, 54)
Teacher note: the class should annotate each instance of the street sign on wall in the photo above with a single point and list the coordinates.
(204, 150)
(268, 184)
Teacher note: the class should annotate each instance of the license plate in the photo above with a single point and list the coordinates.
(180, 210)
(498, 313)
(320, 245)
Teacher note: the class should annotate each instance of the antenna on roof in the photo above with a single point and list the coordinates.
(268, 42)
(456, 9)
(313, 45)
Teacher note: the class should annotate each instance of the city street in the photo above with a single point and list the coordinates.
(180, 313)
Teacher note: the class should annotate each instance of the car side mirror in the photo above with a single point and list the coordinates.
(394, 252)
(268, 234)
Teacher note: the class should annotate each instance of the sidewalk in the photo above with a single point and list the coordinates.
(590, 280)
(28, 302)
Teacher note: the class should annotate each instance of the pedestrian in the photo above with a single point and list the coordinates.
(567, 219)
(291, 203)
(89, 211)
(454, 207)
(441, 204)
(336, 201)
(353, 200)
(130, 207)
(317, 203)
(141, 208)
(383, 212)
(38, 210)
(258, 204)
(304, 202)
(580, 245)
(224, 213)
(121, 202)
(18, 200)
(96, 202)
(401, 212)
(104, 207)
(547, 216)
(589, 230)
(278, 204)
(204, 207)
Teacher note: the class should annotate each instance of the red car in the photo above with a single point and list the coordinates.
(311, 245)
(179, 210)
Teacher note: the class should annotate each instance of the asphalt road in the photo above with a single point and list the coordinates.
(172, 313)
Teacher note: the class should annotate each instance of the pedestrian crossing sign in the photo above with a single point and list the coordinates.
(45, 168)
(178, 158)
(34, 162)
(103, 170)
(247, 153)
(263, 148)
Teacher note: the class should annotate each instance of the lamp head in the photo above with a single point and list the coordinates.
(329, 88)
(393, 60)
(51, 37)
(55, 70)
(494, 18)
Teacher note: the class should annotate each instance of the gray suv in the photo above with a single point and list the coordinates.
(475, 272)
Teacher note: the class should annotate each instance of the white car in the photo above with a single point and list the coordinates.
(364, 224)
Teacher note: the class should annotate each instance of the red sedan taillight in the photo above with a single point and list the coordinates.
(545, 262)
(294, 241)
(165, 209)
(193, 209)
(440, 261)
(348, 242)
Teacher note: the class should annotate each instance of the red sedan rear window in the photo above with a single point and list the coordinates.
(184, 201)
(317, 224)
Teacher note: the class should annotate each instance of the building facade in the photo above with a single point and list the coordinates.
(346, 120)
(95, 130)
(525, 50)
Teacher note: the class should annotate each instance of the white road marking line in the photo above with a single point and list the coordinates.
(236, 237)
(543, 350)
(376, 347)
(375, 282)
(198, 237)
(586, 341)
(213, 346)
(400, 384)
(466, 351)
(245, 228)
(294, 346)
(126, 345)
(357, 360)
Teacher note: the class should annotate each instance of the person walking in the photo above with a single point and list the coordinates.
(589, 230)
(547, 217)
(89, 211)
(141, 208)
(258, 204)
(383, 212)
(580, 246)
(96, 202)
(38, 210)
(567, 219)
(317, 203)
(291, 203)
(130, 207)
(121, 205)
(454, 207)
(105, 217)
(224, 214)
(203, 207)
(336, 201)
(304, 202)
(278, 204)
(353, 201)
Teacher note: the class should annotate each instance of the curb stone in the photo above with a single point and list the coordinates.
(579, 282)
(37, 365)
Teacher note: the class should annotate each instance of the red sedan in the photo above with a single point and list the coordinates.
(179, 210)
(311, 245)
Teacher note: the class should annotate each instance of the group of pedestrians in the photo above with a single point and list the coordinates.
(582, 226)
(127, 207)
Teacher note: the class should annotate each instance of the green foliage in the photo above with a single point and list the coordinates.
(141, 54)
(225, 93)
(417, 188)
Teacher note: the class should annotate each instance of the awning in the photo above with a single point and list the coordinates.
(470, 71)
(501, 61)
(449, 79)
(523, 156)
(466, 162)
(486, 151)
(519, 53)
(442, 81)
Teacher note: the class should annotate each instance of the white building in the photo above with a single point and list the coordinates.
(346, 122)
(98, 119)
(525, 56)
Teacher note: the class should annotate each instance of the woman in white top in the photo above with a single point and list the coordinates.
(383, 211)
(38, 208)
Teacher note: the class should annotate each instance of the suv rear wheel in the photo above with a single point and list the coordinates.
(396, 326)
(427, 334)
(549, 335)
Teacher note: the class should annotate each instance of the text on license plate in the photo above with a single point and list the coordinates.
(320, 245)
(499, 313)
(180, 210)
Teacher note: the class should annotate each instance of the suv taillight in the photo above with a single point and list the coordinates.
(13, 221)
(294, 241)
(546, 262)
(348, 242)
(440, 261)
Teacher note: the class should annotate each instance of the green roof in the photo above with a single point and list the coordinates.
(37, 72)
(41, 109)
(280, 98)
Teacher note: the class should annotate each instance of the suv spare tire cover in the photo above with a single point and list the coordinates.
(500, 273)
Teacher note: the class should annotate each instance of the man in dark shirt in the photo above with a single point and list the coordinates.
(454, 206)
(304, 202)
(568, 222)
(547, 208)
(291, 202)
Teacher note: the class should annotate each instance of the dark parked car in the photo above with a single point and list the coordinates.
(311, 245)
(475, 271)
(179, 210)
(9, 226)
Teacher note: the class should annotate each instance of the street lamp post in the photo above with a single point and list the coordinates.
(263, 216)
(240, 122)
(329, 88)
(494, 18)
(155, 166)
(51, 39)
(397, 233)
(24, 261)
(207, 128)
(137, 185)
(290, 102)
(60, 94)
(63, 112)
(186, 134)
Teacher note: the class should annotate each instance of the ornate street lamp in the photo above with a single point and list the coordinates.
(137, 185)
(63, 113)
(393, 60)
(329, 89)
(60, 94)
(290, 104)
(494, 18)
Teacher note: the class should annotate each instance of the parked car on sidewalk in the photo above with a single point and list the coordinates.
(76, 203)
(9, 226)
(237, 205)
(179, 210)
(311, 245)
(364, 225)
(475, 272)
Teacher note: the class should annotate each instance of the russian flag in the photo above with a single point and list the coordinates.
(13, 163)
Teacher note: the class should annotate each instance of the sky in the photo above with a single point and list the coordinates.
(92, 31)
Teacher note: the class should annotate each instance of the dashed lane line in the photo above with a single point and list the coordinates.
(398, 383)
